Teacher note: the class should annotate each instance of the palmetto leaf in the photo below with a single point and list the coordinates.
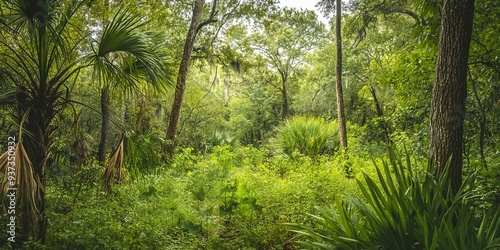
(26, 183)
(123, 55)
(403, 211)
(308, 135)
(114, 171)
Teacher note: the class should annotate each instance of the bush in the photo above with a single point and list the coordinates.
(310, 136)
(405, 211)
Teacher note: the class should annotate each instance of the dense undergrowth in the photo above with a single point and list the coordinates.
(237, 197)
(247, 198)
(232, 198)
(405, 209)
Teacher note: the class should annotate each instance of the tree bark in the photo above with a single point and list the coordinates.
(180, 86)
(450, 88)
(340, 95)
(284, 94)
(37, 142)
(105, 113)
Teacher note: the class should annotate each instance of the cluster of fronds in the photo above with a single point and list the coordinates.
(114, 172)
(27, 185)
(403, 211)
(308, 135)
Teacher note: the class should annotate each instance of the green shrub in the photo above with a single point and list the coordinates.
(232, 198)
(310, 136)
(404, 211)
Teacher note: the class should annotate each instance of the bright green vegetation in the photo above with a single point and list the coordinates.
(232, 198)
(405, 209)
(243, 197)
(308, 135)
(132, 134)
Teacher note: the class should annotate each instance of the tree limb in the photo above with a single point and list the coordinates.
(405, 11)
(211, 18)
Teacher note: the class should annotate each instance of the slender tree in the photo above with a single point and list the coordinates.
(340, 95)
(449, 93)
(328, 6)
(105, 114)
(180, 86)
(284, 38)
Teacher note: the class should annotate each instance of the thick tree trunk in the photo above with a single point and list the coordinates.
(39, 152)
(37, 142)
(182, 76)
(449, 93)
(101, 153)
(340, 95)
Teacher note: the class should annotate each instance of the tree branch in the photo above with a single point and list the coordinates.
(405, 11)
(211, 18)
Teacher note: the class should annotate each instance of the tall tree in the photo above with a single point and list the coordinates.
(328, 6)
(340, 95)
(127, 69)
(105, 115)
(180, 86)
(284, 38)
(449, 93)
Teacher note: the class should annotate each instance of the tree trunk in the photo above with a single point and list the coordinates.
(227, 85)
(340, 95)
(284, 95)
(37, 142)
(383, 125)
(180, 86)
(142, 105)
(101, 153)
(450, 88)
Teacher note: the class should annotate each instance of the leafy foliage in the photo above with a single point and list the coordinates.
(231, 198)
(403, 211)
(308, 135)
(216, 192)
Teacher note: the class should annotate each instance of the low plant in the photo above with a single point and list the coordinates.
(310, 136)
(404, 210)
(219, 138)
(231, 198)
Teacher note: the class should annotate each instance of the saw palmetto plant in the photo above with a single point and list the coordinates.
(43, 48)
(311, 136)
(403, 210)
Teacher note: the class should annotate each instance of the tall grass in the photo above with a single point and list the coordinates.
(308, 135)
(403, 210)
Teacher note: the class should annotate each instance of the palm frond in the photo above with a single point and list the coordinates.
(8, 98)
(25, 183)
(114, 171)
(124, 55)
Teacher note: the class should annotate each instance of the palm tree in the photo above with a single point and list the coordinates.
(42, 49)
